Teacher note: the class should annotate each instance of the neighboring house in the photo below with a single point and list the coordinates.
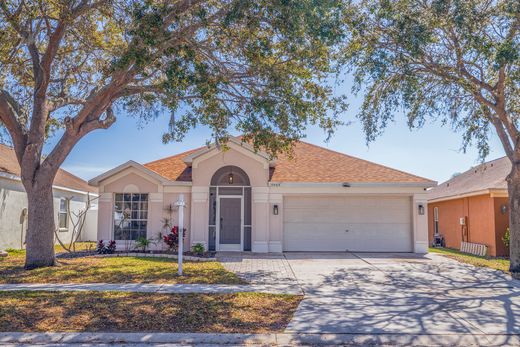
(472, 207)
(13, 203)
(241, 200)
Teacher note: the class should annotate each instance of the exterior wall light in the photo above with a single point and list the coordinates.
(230, 178)
(420, 209)
(503, 209)
(275, 210)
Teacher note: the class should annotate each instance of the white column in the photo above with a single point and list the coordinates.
(420, 223)
(260, 227)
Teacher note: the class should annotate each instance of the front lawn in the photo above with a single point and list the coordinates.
(493, 263)
(114, 270)
(143, 312)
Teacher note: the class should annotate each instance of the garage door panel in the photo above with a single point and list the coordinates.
(375, 224)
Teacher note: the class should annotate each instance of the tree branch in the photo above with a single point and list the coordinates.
(9, 113)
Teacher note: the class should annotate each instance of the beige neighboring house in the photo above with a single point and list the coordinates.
(241, 200)
(13, 203)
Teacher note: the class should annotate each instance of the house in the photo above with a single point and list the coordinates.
(240, 199)
(70, 196)
(472, 207)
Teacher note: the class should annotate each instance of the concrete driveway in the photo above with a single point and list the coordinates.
(381, 294)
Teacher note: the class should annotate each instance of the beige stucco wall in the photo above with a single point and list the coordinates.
(159, 198)
(267, 228)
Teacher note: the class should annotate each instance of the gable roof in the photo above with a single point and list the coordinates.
(310, 164)
(9, 164)
(484, 177)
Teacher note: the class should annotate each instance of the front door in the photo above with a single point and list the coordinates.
(230, 227)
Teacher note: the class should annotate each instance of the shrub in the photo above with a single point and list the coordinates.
(142, 243)
(172, 239)
(506, 237)
(198, 248)
(103, 248)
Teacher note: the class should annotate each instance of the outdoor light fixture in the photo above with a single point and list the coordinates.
(503, 209)
(420, 208)
(275, 210)
(230, 178)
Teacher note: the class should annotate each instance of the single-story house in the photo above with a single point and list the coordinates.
(239, 199)
(70, 196)
(472, 207)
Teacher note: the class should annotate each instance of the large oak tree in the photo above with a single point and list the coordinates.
(457, 60)
(67, 67)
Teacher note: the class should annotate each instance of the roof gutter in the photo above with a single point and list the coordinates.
(492, 192)
(354, 184)
(18, 179)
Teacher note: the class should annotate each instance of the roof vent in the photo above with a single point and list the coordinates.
(346, 184)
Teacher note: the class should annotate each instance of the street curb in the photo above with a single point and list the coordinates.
(154, 288)
(144, 339)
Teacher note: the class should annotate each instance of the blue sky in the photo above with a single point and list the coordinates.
(433, 152)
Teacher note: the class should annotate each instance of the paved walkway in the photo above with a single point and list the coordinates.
(282, 339)
(157, 288)
(258, 268)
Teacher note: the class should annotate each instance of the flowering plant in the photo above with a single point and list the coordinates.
(172, 238)
(103, 248)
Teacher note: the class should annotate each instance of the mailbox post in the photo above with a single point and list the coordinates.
(180, 204)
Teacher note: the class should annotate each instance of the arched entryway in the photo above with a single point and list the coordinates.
(230, 210)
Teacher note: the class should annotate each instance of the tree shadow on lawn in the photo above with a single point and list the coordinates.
(145, 312)
(117, 270)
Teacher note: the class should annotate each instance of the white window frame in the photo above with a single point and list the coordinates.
(63, 212)
(131, 210)
(436, 220)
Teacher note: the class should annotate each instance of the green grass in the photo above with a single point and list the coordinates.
(114, 270)
(143, 312)
(493, 263)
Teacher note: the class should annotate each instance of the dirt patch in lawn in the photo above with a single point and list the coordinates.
(145, 312)
(115, 270)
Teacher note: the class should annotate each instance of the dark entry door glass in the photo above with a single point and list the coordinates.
(230, 221)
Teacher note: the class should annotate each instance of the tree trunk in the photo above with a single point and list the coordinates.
(513, 183)
(40, 231)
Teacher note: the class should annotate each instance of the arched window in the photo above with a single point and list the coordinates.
(230, 176)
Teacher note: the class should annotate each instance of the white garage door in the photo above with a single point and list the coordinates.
(354, 223)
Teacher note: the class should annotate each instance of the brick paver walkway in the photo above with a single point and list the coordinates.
(259, 268)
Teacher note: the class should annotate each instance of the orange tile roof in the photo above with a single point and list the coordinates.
(310, 163)
(9, 164)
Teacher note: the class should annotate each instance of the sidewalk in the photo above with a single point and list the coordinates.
(282, 339)
(157, 288)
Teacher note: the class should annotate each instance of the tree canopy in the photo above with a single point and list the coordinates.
(255, 65)
(454, 60)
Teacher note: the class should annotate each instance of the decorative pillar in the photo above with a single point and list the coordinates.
(155, 215)
(275, 223)
(105, 216)
(420, 223)
(199, 215)
(260, 227)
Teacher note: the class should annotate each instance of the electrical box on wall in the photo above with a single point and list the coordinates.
(462, 221)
